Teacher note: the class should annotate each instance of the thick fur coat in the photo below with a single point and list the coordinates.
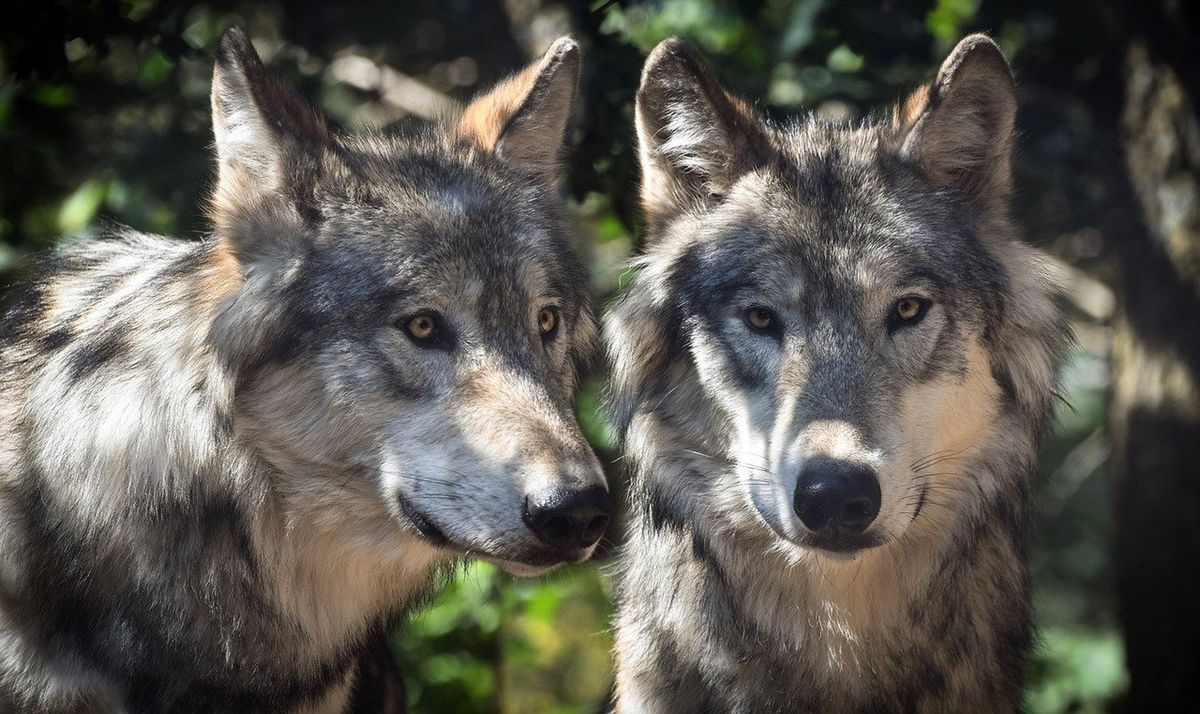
(228, 466)
(815, 295)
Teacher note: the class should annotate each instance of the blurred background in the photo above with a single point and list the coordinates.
(104, 119)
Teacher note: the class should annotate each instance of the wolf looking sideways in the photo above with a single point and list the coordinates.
(227, 466)
(831, 373)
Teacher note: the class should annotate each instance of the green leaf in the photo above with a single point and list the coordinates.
(155, 69)
(948, 18)
(844, 59)
(78, 209)
(1076, 671)
(53, 95)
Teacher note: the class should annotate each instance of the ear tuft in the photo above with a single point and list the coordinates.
(254, 116)
(524, 119)
(959, 129)
(695, 139)
(269, 143)
(235, 49)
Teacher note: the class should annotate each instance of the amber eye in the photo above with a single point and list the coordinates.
(548, 321)
(422, 327)
(909, 309)
(760, 318)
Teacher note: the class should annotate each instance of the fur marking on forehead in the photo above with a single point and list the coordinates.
(460, 197)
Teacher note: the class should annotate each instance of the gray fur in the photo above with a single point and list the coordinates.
(727, 602)
(226, 468)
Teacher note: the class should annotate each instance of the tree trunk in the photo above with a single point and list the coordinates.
(1156, 399)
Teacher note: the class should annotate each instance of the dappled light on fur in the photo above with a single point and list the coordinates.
(695, 138)
(525, 118)
(959, 129)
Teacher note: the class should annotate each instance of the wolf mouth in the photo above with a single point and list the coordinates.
(535, 562)
(839, 546)
(423, 525)
(843, 545)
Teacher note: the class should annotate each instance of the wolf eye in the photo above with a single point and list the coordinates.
(761, 319)
(908, 311)
(422, 327)
(548, 322)
(428, 330)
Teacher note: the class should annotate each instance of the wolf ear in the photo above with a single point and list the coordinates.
(695, 139)
(524, 119)
(266, 139)
(959, 129)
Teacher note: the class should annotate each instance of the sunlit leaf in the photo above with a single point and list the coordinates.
(844, 59)
(78, 209)
(948, 18)
(1076, 671)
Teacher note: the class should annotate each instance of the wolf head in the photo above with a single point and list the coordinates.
(406, 318)
(851, 301)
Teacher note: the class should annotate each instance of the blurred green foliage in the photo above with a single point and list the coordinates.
(490, 642)
(1076, 670)
(104, 119)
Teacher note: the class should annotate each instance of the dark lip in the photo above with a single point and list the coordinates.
(423, 525)
(435, 535)
(844, 545)
(545, 558)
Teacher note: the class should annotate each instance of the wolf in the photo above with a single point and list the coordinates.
(830, 374)
(228, 466)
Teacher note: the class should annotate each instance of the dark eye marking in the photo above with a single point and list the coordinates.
(427, 329)
(763, 320)
(908, 312)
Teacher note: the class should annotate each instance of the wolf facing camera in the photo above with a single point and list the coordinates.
(831, 372)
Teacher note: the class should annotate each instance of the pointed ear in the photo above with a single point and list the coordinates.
(524, 119)
(267, 141)
(694, 138)
(959, 129)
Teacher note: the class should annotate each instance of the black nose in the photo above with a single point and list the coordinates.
(837, 497)
(568, 519)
